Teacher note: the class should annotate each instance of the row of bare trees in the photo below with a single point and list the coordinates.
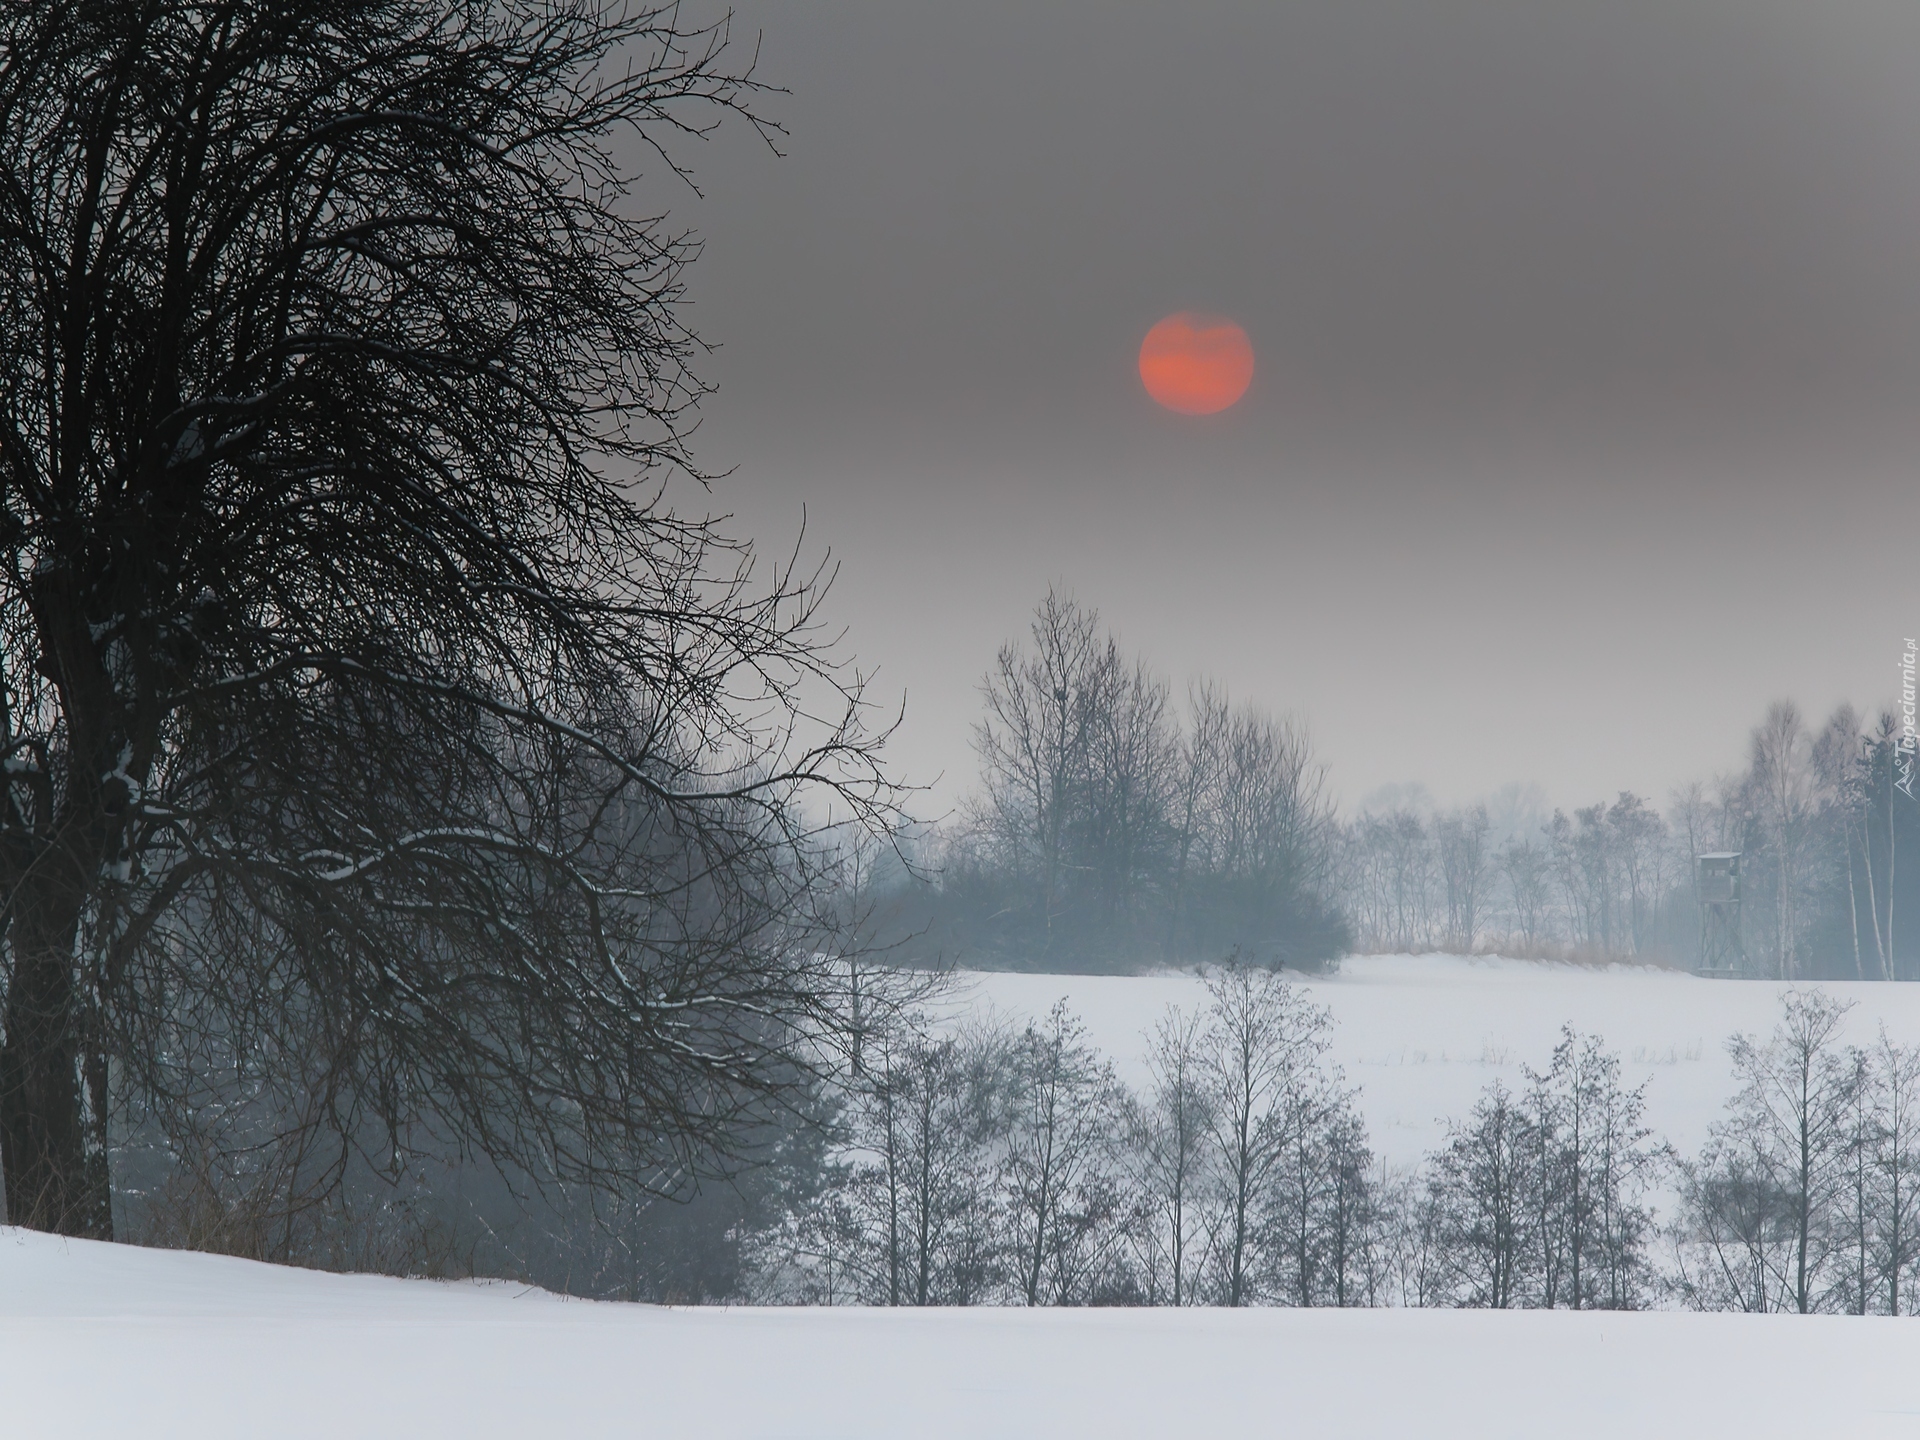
(1116, 828)
(1824, 823)
(1807, 1197)
(1594, 881)
(987, 1166)
(1536, 1200)
(1817, 815)
(980, 1165)
(983, 1166)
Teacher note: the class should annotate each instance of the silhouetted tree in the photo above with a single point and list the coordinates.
(1108, 835)
(367, 726)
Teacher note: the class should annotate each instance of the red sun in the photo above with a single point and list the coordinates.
(1196, 364)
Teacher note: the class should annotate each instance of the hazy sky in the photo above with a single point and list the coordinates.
(1588, 339)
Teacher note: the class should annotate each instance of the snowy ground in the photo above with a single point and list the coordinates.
(102, 1340)
(1421, 1035)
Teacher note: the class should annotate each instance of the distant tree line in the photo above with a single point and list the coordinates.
(1828, 844)
(983, 1165)
(1116, 828)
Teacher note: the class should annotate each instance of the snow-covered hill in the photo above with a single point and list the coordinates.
(1421, 1035)
(102, 1340)
(110, 1341)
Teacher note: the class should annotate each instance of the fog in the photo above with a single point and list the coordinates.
(1580, 428)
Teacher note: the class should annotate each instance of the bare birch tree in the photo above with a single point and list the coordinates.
(1782, 776)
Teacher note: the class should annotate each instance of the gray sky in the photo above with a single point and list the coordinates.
(1588, 337)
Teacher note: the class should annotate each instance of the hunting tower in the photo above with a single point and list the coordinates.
(1717, 882)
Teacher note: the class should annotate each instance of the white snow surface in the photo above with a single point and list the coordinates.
(1422, 1035)
(107, 1340)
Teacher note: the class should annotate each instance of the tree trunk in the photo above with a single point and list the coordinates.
(893, 1193)
(1886, 943)
(1853, 908)
(1804, 1199)
(54, 1166)
(1179, 1237)
(1873, 897)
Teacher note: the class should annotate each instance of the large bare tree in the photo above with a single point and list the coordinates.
(372, 727)
(1036, 737)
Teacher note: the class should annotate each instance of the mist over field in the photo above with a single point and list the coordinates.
(1578, 432)
(1046, 718)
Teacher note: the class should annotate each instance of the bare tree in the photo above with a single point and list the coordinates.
(1132, 761)
(1410, 1264)
(1640, 845)
(365, 724)
(1483, 1183)
(1841, 794)
(1759, 1215)
(1393, 861)
(1353, 1226)
(1170, 1130)
(1267, 842)
(1065, 1201)
(1854, 1239)
(1107, 835)
(933, 1127)
(1537, 1199)
(1594, 1160)
(1315, 1217)
(1873, 786)
(1263, 1042)
(1198, 767)
(1782, 776)
(1525, 867)
(1585, 861)
(1894, 1078)
(1041, 706)
(1462, 843)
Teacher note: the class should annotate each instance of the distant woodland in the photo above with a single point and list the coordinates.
(1118, 826)
(990, 1167)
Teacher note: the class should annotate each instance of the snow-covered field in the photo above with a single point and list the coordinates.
(1422, 1035)
(102, 1340)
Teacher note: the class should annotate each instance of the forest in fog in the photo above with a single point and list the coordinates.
(989, 1165)
(1119, 825)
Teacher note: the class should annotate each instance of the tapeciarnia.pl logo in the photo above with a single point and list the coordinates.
(1909, 737)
